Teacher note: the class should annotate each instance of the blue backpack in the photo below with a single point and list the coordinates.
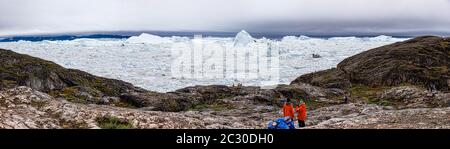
(281, 124)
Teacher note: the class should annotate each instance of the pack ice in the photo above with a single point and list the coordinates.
(145, 60)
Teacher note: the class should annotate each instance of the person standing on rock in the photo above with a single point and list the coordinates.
(345, 99)
(301, 113)
(288, 109)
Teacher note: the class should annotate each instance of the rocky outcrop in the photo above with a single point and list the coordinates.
(331, 78)
(189, 97)
(414, 97)
(75, 85)
(23, 107)
(423, 61)
(364, 116)
(402, 85)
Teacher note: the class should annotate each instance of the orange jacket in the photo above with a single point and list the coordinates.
(288, 110)
(301, 112)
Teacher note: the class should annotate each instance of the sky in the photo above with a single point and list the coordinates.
(315, 17)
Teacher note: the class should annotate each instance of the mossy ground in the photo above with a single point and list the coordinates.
(72, 125)
(110, 122)
(368, 94)
(214, 106)
(314, 104)
(69, 94)
(7, 84)
(445, 44)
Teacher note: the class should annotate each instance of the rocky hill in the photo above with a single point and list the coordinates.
(402, 85)
(423, 61)
(70, 84)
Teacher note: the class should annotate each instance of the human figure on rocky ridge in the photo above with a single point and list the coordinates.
(432, 89)
(301, 113)
(288, 109)
(345, 99)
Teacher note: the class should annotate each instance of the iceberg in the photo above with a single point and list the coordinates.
(303, 37)
(381, 38)
(288, 38)
(294, 38)
(242, 39)
(148, 38)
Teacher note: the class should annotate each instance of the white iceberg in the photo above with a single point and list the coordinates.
(289, 38)
(148, 38)
(294, 38)
(242, 39)
(381, 38)
(303, 37)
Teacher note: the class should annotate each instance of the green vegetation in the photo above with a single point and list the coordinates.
(369, 94)
(440, 69)
(363, 91)
(38, 104)
(7, 83)
(214, 106)
(445, 44)
(169, 104)
(73, 125)
(314, 104)
(110, 122)
(70, 94)
(222, 95)
(68, 124)
(100, 85)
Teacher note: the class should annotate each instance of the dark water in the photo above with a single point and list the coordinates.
(58, 37)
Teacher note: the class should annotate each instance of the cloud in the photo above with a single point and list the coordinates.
(303, 16)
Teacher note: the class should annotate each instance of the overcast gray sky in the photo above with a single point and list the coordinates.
(20, 17)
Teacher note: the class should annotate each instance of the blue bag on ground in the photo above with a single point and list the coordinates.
(281, 124)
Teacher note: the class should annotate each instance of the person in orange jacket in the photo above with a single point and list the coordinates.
(301, 113)
(288, 109)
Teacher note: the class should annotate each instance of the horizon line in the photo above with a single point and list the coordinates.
(231, 33)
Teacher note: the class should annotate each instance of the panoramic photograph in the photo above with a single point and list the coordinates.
(228, 64)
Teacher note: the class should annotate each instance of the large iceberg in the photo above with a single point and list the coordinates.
(148, 38)
(242, 39)
(381, 38)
